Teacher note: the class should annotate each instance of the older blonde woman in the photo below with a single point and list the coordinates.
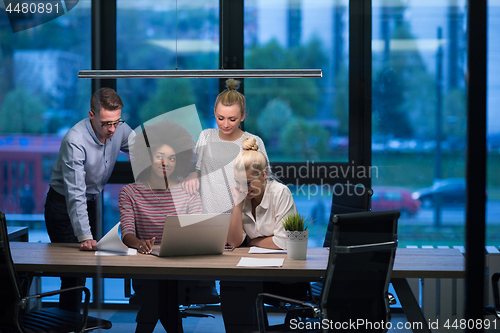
(260, 205)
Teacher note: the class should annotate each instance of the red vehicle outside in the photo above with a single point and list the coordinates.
(26, 163)
(387, 198)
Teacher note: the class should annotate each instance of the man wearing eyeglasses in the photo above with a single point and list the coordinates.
(86, 159)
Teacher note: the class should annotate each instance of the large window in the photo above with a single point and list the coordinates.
(148, 38)
(158, 35)
(419, 117)
(40, 99)
(299, 119)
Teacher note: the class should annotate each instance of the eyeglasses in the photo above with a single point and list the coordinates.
(112, 123)
(107, 125)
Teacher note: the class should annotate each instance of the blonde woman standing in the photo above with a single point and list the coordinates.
(217, 148)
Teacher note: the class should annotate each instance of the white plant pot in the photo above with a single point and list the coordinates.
(296, 244)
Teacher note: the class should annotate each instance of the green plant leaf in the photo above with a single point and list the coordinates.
(295, 222)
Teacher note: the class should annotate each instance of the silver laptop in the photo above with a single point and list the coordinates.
(195, 234)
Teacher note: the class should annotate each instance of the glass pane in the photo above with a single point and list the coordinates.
(419, 103)
(40, 99)
(493, 99)
(114, 291)
(111, 214)
(314, 202)
(148, 38)
(299, 119)
(50, 283)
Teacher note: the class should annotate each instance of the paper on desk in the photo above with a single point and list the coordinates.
(260, 262)
(130, 252)
(256, 249)
(112, 245)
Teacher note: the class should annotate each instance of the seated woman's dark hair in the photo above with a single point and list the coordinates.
(164, 133)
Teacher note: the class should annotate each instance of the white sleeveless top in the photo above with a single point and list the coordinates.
(215, 163)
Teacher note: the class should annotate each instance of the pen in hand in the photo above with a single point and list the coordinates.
(147, 246)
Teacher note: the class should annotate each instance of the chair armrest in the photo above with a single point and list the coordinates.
(364, 248)
(24, 301)
(57, 292)
(259, 305)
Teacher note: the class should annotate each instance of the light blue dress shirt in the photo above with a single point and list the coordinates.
(82, 169)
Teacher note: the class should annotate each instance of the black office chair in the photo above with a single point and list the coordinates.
(347, 198)
(362, 252)
(14, 315)
(494, 310)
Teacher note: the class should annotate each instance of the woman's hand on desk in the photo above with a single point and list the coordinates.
(142, 246)
(146, 246)
(191, 184)
(88, 245)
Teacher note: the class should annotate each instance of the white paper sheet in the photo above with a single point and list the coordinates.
(112, 245)
(260, 262)
(257, 250)
(130, 252)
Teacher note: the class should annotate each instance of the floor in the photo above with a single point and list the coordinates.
(124, 321)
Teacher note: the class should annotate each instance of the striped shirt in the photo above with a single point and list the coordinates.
(142, 212)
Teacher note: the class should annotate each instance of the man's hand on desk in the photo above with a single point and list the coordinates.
(88, 245)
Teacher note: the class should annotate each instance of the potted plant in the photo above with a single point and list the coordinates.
(296, 228)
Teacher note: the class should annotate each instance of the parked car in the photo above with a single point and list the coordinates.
(386, 198)
(452, 191)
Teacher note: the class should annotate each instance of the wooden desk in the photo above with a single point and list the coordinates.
(66, 259)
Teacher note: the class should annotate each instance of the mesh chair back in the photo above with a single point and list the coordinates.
(347, 198)
(360, 266)
(9, 285)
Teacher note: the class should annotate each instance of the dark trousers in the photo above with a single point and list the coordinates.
(238, 305)
(158, 301)
(60, 231)
(238, 301)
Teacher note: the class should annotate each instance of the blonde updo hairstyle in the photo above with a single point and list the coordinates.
(230, 96)
(250, 158)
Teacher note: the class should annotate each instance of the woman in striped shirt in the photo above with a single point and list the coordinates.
(160, 155)
(156, 192)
